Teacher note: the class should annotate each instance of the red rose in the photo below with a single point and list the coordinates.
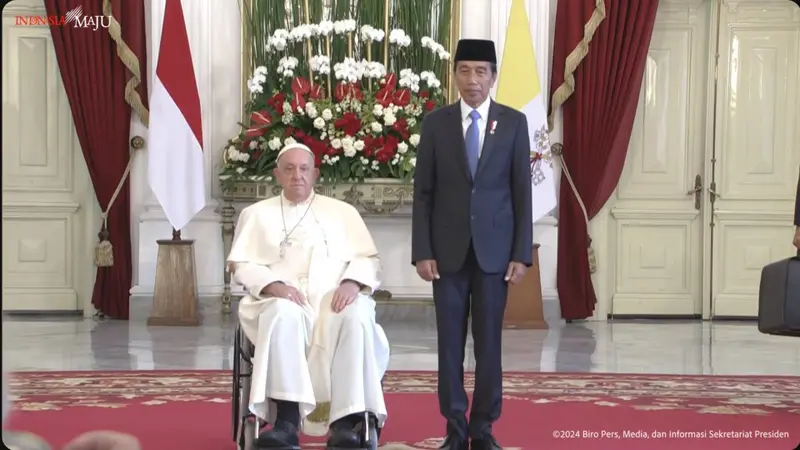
(348, 123)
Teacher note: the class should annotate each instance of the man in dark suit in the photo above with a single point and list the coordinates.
(796, 217)
(472, 235)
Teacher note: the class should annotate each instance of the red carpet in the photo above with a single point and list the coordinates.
(169, 410)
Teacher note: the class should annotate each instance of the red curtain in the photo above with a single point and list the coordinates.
(94, 79)
(598, 118)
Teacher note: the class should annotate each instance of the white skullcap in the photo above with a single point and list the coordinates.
(294, 146)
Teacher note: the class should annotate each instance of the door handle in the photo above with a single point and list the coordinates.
(697, 191)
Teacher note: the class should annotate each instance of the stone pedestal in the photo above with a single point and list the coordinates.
(524, 306)
(175, 300)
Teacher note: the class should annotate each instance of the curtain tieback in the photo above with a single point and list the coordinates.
(104, 250)
(558, 151)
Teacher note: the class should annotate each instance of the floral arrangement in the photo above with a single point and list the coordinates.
(360, 116)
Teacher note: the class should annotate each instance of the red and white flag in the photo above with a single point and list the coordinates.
(175, 149)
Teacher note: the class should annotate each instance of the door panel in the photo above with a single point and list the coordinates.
(657, 236)
(45, 181)
(757, 148)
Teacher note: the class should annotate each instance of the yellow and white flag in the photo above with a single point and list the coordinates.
(518, 87)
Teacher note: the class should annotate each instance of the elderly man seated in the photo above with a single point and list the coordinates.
(310, 266)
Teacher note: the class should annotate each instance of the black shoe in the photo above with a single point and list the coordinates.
(343, 435)
(454, 443)
(348, 432)
(282, 436)
(485, 443)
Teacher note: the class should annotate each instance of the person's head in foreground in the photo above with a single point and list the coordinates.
(475, 70)
(295, 172)
(93, 440)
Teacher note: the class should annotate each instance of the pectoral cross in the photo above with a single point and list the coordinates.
(284, 243)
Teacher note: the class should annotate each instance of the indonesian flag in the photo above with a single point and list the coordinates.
(518, 86)
(175, 151)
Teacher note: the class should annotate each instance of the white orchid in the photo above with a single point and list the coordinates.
(408, 79)
(399, 38)
(325, 28)
(344, 26)
(371, 34)
(437, 48)
(320, 64)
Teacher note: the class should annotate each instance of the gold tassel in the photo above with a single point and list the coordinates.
(321, 413)
(103, 251)
(592, 258)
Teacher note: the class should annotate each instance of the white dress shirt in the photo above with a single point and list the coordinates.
(466, 121)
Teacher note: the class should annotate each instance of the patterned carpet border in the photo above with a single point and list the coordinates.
(516, 384)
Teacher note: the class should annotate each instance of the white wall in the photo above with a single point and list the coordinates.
(214, 34)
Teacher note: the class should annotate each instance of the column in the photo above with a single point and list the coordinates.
(213, 27)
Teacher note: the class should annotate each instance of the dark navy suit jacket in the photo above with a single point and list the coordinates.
(493, 212)
(797, 206)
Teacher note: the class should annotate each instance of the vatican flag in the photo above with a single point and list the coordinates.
(518, 87)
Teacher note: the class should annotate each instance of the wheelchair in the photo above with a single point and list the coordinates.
(246, 426)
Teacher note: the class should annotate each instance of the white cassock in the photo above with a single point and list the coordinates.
(310, 354)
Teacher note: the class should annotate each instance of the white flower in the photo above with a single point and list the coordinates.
(358, 145)
(287, 108)
(289, 141)
(414, 139)
(376, 127)
(402, 148)
(373, 69)
(319, 123)
(325, 28)
(364, 161)
(408, 79)
(389, 119)
(274, 144)
(437, 49)
(347, 142)
(278, 40)
(377, 110)
(336, 143)
(240, 169)
(371, 34)
(301, 33)
(413, 162)
(399, 38)
(327, 114)
(411, 121)
(349, 70)
(254, 87)
(344, 26)
(311, 110)
(320, 64)
(287, 118)
(350, 152)
(253, 145)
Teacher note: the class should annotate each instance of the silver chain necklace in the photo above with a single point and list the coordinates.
(285, 242)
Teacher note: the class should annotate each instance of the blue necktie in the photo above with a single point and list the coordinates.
(473, 142)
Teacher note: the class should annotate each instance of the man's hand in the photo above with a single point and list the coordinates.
(282, 290)
(515, 272)
(344, 295)
(428, 270)
(103, 440)
(797, 238)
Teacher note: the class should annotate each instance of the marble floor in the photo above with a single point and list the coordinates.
(691, 347)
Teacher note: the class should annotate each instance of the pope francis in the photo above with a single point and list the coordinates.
(309, 266)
